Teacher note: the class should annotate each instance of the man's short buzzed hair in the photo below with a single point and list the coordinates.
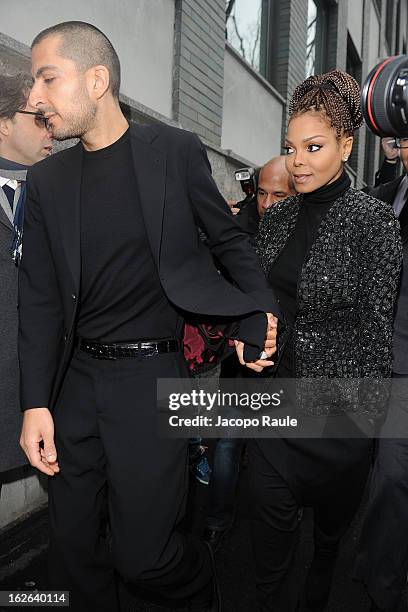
(86, 46)
(14, 92)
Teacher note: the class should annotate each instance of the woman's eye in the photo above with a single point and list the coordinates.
(287, 150)
(314, 147)
(48, 80)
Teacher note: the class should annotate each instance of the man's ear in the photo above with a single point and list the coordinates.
(98, 81)
(4, 126)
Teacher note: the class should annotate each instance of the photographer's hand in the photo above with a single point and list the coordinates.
(231, 204)
(390, 150)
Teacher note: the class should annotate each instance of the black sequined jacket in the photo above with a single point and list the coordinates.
(347, 287)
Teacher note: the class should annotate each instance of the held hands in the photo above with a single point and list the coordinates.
(38, 426)
(269, 348)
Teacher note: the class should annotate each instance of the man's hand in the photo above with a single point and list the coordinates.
(38, 426)
(269, 348)
(234, 209)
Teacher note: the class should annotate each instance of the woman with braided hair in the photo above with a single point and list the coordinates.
(333, 256)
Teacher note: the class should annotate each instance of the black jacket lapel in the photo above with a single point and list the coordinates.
(150, 169)
(68, 210)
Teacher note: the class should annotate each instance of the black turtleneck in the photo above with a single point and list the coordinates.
(285, 272)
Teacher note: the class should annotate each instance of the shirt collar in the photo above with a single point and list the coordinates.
(10, 182)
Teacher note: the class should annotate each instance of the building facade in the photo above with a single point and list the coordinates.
(223, 69)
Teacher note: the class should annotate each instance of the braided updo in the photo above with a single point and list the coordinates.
(337, 94)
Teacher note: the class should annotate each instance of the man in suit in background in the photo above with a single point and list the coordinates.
(24, 140)
(112, 260)
(395, 192)
(382, 560)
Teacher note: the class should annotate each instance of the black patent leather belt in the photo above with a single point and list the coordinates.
(127, 350)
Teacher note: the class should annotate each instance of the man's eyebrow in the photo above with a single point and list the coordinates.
(43, 69)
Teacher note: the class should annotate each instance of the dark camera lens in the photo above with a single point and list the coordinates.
(384, 100)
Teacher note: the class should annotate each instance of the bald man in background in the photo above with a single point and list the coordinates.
(274, 184)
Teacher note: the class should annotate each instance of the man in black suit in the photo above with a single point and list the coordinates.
(112, 259)
(395, 192)
(382, 560)
(24, 140)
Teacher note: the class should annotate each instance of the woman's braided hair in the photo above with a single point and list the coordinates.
(336, 93)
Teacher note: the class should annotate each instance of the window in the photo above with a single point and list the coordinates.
(389, 25)
(400, 46)
(247, 30)
(378, 3)
(316, 37)
(353, 67)
(371, 145)
(311, 38)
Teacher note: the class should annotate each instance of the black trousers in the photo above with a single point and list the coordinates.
(382, 560)
(276, 520)
(113, 465)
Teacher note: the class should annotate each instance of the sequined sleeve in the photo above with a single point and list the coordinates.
(274, 229)
(261, 239)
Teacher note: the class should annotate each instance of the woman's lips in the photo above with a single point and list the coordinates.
(301, 178)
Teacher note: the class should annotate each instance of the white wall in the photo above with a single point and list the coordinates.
(252, 115)
(140, 30)
(20, 497)
(355, 22)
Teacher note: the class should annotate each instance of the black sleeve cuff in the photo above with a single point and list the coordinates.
(252, 331)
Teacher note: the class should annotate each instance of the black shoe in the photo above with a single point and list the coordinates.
(214, 537)
(200, 603)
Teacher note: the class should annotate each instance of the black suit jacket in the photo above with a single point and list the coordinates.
(177, 193)
(387, 193)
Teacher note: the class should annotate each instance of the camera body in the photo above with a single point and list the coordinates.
(248, 180)
(384, 99)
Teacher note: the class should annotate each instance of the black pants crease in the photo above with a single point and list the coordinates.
(113, 463)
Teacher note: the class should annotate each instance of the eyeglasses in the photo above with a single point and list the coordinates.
(401, 143)
(40, 121)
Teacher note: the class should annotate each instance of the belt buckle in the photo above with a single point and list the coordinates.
(109, 356)
(106, 351)
(147, 350)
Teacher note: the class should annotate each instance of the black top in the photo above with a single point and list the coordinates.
(284, 274)
(121, 295)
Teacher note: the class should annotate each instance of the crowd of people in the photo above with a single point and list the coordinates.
(114, 244)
